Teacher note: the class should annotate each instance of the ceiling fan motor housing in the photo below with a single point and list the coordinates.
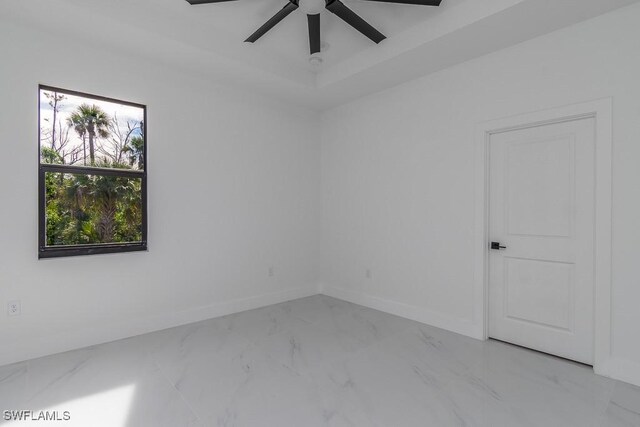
(311, 7)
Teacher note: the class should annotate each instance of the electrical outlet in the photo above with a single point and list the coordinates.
(271, 272)
(13, 308)
(367, 273)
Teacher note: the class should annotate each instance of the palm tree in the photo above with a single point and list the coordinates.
(135, 150)
(102, 208)
(107, 193)
(92, 121)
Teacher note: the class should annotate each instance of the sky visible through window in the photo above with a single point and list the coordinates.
(117, 137)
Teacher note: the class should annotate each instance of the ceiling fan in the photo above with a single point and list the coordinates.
(313, 8)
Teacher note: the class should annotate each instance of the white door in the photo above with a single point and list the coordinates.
(541, 286)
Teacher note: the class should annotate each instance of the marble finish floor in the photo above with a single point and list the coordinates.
(316, 361)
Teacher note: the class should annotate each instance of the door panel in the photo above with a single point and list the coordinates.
(541, 286)
(540, 292)
(539, 187)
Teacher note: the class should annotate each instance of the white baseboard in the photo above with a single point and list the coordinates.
(616, 368)
(622, 369)
(115, 330)
(412, 312)
(244, 304)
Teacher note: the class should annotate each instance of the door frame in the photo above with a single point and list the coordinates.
(601, 111)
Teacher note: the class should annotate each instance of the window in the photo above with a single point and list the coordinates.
(92, 174)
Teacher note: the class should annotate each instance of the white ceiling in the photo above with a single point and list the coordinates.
(208, 39)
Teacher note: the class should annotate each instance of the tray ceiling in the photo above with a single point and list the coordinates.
(208, 39)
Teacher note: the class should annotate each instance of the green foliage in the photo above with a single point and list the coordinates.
(85, 209)
(49, 155)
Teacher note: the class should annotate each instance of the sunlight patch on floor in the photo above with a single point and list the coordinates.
(109, 408)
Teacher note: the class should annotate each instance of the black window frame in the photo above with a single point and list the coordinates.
(45, 251)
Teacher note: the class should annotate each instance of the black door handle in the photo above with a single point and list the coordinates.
(496, 246)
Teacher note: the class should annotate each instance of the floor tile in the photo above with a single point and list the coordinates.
(363, 324)
(316, 361)
(111, 384)
(624, 408)
(13, 386)
(257, 325)
(305, 347)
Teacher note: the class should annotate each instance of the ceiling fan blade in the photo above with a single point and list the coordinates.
(418, 2)
(193, 2)
(314, 33)
(275, 19)
(351, 18)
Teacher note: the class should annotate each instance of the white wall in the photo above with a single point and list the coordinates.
(397, 189)
(233, 189)
(398, 175)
